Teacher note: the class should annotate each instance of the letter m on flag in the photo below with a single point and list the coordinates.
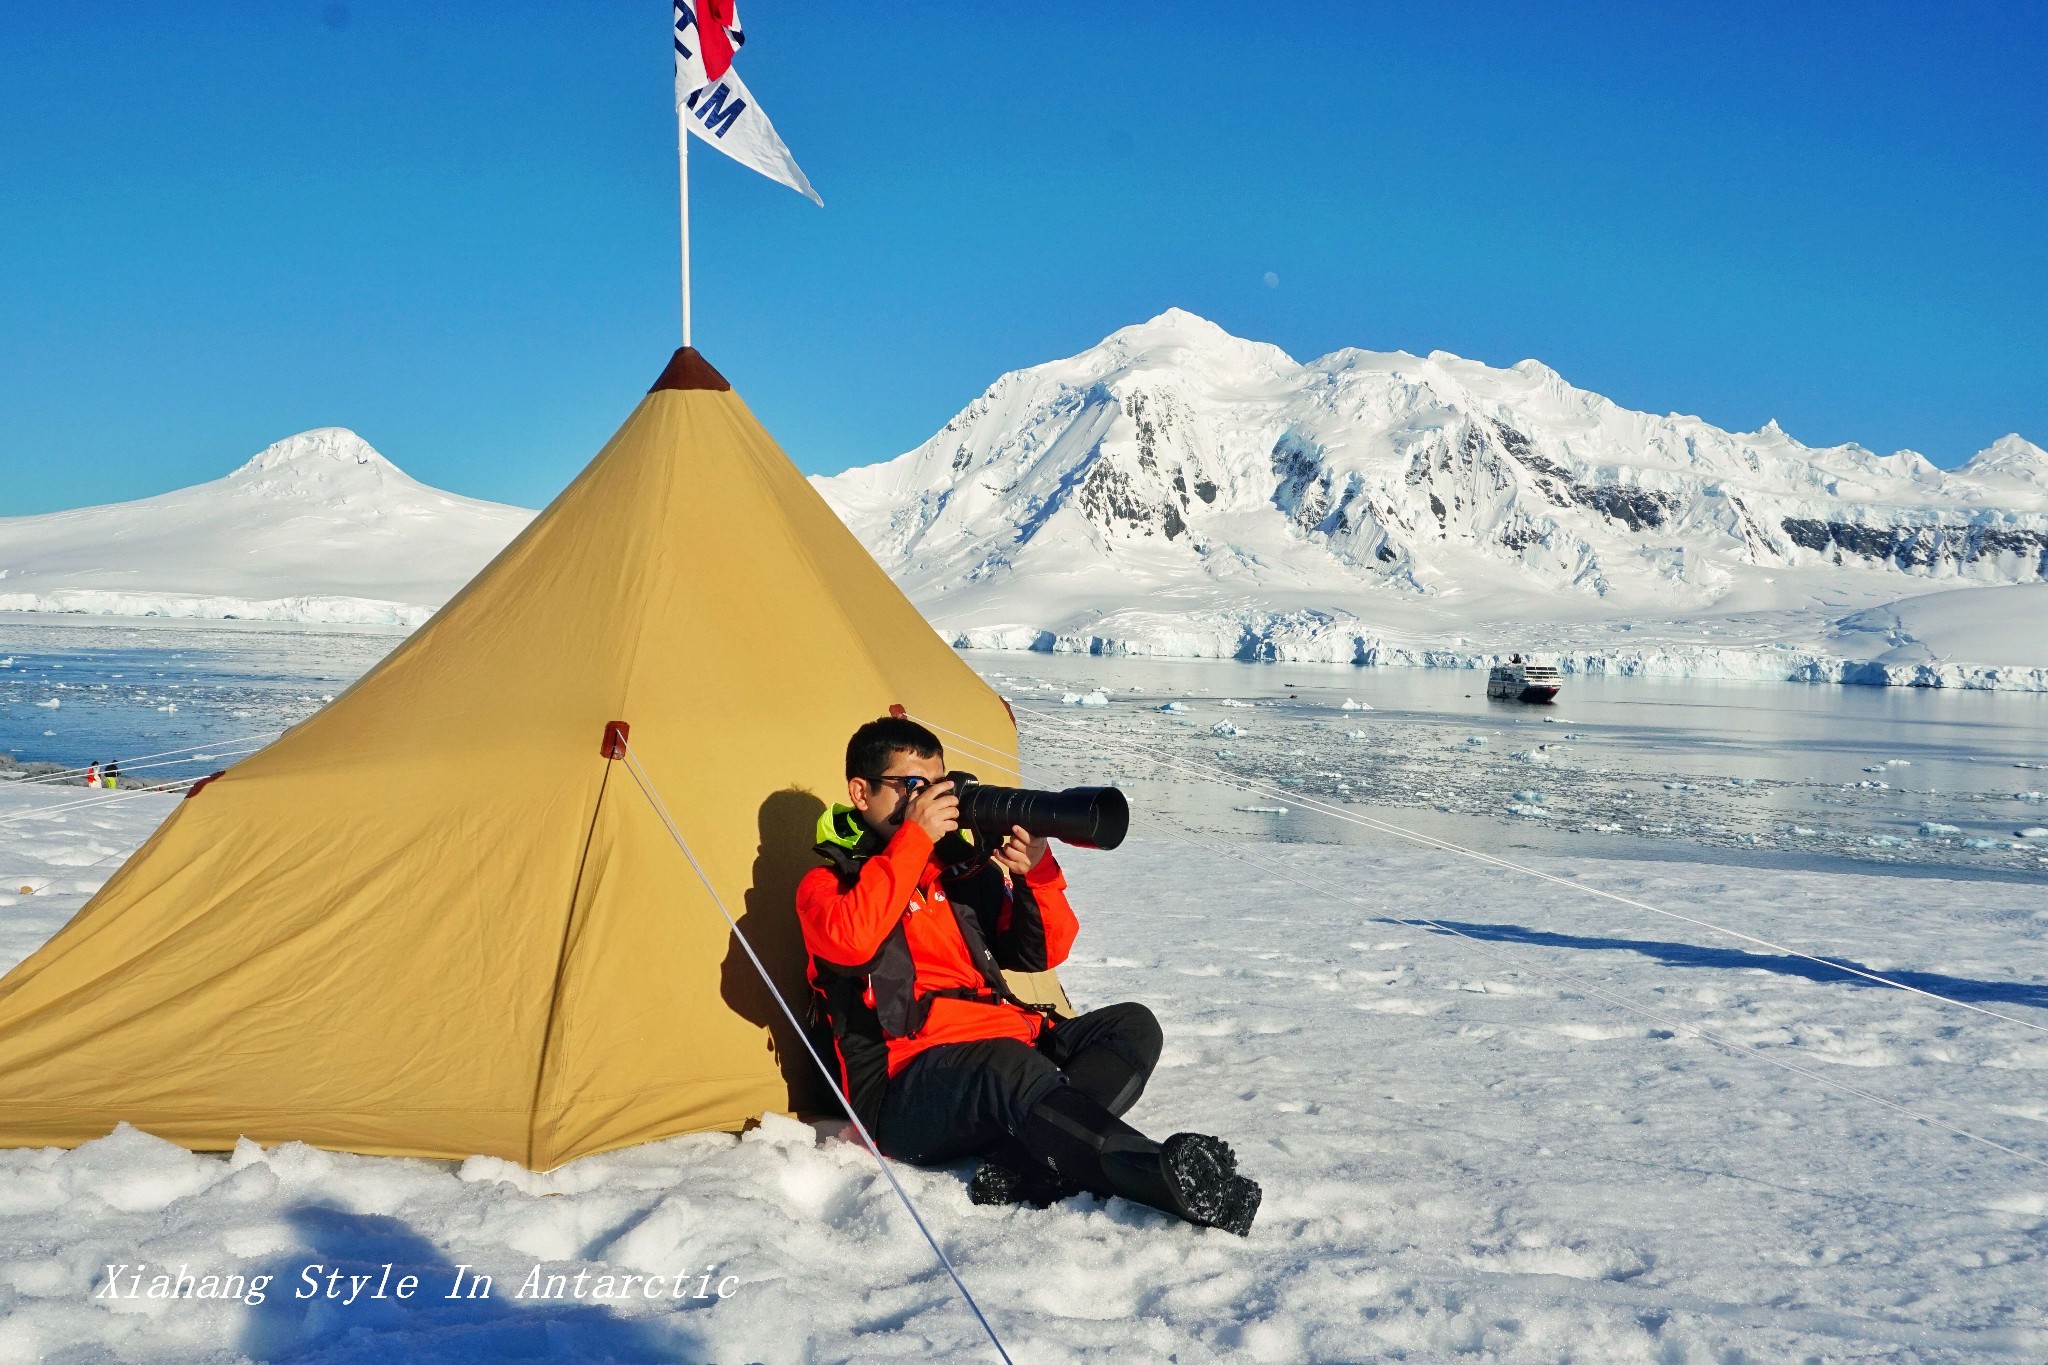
(717, 109)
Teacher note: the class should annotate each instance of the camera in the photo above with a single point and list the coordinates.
(1087, 817)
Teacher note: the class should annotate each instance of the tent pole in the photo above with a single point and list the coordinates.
(683, 179)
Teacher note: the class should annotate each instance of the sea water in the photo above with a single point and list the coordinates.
(1788, 774)
(1758, 773)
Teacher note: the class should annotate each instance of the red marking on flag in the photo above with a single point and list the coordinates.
(714, 19)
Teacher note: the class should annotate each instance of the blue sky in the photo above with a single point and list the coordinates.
(451, 226)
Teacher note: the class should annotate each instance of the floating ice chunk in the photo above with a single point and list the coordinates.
(1874, 785)
(2030, 796)
(1936, 827)
(1288, 780)
(1742, 782)
(1476, 741)
(1875, 768)
(1979, 843)
(1223, 729)
(1096, 698)
(1528, 812)
(1262, 810)
(1355, 736)
(1539, 754)
(1232, 701)
(1607, 829)
(1350, 705)
(1226, 753)
(169, 708)
(1890, 841)
(1802, 832)
(1529, 794)
(2032, 832)
(1680, 787)
(1898, 763)
(50, 705)
(1173, 706)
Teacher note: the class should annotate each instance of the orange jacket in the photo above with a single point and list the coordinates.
(845, 928)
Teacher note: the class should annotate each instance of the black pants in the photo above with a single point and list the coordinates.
(972, 1099)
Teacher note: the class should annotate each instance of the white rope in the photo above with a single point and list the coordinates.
(1620, 1002)
(121, 794)
(239, 741)
(1321, 807)
(990, 753)
(646, 785)
(214, 751)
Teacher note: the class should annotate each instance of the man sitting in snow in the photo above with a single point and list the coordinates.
(908, 935)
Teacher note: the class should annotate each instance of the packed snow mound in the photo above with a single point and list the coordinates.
(1221, 490)
(318, 527)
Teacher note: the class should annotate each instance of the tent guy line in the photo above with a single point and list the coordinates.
(1445, 845)
(214, 751)
(264, 736)
(647, 789)
(124, 794)
(1564, 978)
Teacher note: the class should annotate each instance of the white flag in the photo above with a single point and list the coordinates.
(726, 115)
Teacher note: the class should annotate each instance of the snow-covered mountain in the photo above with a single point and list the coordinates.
(1177, 489)
(318, 527)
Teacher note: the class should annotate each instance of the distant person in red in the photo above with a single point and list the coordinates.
(909, 933)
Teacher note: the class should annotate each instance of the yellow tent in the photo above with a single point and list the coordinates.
(434, 919)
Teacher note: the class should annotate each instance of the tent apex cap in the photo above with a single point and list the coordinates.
(688, 369)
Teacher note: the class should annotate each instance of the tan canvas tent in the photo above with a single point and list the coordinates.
(434, 919)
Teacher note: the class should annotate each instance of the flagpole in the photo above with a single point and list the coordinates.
(683, 180)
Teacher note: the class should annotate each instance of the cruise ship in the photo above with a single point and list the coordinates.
(1517, 680)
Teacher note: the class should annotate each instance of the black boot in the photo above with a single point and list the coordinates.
(1010, 1174)
(1191, 1176)
(999, 1182)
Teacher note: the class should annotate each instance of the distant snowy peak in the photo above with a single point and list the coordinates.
(2012, 458)
(1176, 339)
(326, 464)
(1173, 455)
(316, 527)
(320, 447)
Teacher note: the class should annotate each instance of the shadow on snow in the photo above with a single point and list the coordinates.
(431, 1326)
(1961, 988)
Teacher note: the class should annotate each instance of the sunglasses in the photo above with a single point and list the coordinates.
(912, 784)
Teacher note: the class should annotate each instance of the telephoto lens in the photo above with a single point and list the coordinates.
(1087, 817)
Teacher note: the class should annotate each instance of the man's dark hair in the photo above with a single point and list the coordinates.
(867, 753)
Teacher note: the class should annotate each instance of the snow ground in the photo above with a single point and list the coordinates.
(1468, 1151)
